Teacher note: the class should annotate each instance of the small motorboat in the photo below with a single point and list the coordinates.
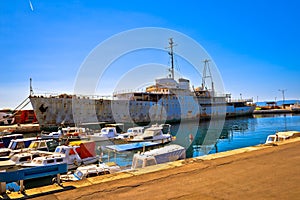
(18, 159)
(106, 133)
(91, 171)
(131, 132)
(53, 135)
(153, 134)
(78, 153)
(46, 161)
(6, 137)
(164, 154)
(281, 136)
(69, 132)
(16, 146)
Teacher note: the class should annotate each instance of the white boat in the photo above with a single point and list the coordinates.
(16, 146)
(295, 107)
(106, 133)
(281, 136)
(20, 158)
(21, 143)
(69, 132)
(46, 160)
(78, 153)
(90, 171)
(26, 157)
(53, 135)
(131, 132)
(5, 164)
(157, 156)
(153, 134)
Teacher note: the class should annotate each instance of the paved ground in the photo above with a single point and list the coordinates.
(269, 173)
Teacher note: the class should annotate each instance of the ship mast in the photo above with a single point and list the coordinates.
(205, 75)
(31, 90)
(171, 53)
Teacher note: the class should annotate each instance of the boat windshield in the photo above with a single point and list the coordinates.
(152, 132)
(271, 139)
(57, 150)
(137, 163)
(60, 150)
(78, 174)
(150, 162)
(4, 153)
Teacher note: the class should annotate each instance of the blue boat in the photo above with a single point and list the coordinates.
(5, 139)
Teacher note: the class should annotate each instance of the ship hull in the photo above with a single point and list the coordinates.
(68, 110)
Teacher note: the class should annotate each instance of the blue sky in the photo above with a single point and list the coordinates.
(255, 44)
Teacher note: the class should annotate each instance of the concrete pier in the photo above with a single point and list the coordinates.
(260, 172)
(21, 128)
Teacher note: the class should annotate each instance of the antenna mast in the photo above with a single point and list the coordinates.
(205, 76)
(31, 90)
(171, 53)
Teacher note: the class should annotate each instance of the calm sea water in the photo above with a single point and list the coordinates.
(203, 138)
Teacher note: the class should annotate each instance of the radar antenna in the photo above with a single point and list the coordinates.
(171, 53)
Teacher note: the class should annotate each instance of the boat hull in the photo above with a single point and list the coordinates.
(53, 111)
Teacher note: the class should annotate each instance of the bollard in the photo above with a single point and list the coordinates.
(22, 188)
(2, 187)
(58, 179)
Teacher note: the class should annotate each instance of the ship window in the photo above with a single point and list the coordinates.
(39, 162)
(59, 160)
(33, 145)
(79, 174)
(139, 163)
(50, 161)
(20, 145)
(43, 144)
(25, 158)
(150, 162)
(92, 174)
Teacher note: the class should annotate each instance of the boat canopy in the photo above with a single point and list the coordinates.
(130, 146)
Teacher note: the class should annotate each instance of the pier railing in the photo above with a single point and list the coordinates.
(77, 96)
(240, 100)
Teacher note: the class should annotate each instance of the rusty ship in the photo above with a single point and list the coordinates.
(167, 100)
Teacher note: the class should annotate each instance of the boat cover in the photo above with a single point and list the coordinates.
(130, 146)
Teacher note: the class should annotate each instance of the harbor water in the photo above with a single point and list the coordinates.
(236, 133)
